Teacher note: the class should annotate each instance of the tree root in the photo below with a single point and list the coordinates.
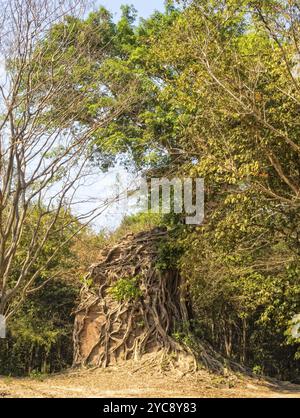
(108, 330)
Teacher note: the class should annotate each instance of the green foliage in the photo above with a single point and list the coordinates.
(245, 296)
(39, 336)
(137, 223)
(183, 334)
(115, 75)
(169, 253)
(126, 289)
(257, 370)
(40, 331)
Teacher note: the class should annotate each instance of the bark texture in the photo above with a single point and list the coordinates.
(108, 329)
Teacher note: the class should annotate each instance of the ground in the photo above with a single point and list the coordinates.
(128, 380)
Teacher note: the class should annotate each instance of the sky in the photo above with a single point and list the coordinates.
(144, 7)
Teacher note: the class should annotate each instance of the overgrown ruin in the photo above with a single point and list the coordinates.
(112, 326)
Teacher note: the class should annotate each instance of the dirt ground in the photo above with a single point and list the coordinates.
(128, 381)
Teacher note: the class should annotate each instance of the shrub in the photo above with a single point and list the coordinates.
(126, 289)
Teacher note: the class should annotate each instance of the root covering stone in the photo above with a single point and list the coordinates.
(108, 329)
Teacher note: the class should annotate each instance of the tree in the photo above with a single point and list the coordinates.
(40, 333)
(45, 143)
(221, 102)
(234, 85)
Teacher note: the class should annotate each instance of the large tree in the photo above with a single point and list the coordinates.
(49, 111)
(208, 89)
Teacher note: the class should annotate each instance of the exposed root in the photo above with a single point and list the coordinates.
(108, 330)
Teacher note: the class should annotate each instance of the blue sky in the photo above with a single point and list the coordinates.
(145, 8)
